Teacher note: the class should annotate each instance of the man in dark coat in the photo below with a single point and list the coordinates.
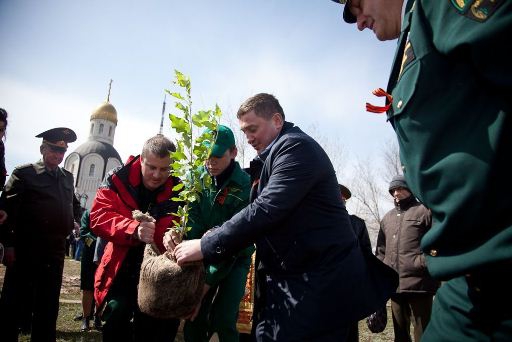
(312, 280)
(42, 208)
(359, 227)
(358, 224)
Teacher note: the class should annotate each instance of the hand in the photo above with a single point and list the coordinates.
(146, 231)
(3, 216)
(171, 240)
(188, 251)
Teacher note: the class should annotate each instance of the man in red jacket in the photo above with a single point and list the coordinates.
(143, 183)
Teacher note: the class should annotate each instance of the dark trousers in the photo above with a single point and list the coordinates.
(472, 309)
(30, 300)
(353, 332)
(123, 319)
(8, 306)
(410, 308)
(120, 327)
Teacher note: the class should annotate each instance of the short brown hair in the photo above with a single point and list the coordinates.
(158, 145)
(263, 105)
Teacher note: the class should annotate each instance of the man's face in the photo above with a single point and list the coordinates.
(217, 165)
(260, 132)
(52, 157)
(383, 17)
(155, 170)
(400, 194)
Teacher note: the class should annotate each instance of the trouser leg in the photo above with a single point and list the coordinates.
(226, 304)
(421, 309)
(8, 306)
(401, 318)
(150, 329)
(46, 301)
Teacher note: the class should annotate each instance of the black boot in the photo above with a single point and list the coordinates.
(97, 323)
(85, 324)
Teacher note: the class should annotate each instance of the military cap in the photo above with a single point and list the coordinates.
(345, 191)
(347, 15)
(58, 138)
(224, 140)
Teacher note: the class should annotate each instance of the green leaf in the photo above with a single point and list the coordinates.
(179, 124)
(178, 187)
(177, 95)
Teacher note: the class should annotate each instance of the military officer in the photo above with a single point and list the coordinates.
(41, 207)
(448, 100)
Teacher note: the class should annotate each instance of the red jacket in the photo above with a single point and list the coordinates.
(111, 219)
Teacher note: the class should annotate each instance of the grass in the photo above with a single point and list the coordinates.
(69, 330)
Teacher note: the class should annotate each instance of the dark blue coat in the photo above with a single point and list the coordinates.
(312, 277)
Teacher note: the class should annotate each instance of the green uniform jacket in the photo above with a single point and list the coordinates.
(216, 207)
(451, 110)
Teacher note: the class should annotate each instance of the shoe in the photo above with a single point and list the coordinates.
(85, 325)
(97, 323)
(78, 317)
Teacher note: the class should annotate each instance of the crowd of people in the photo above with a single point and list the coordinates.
(442, 256)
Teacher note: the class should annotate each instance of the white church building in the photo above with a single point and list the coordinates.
(93, 159)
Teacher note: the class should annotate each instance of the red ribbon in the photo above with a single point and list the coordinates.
(380, 109)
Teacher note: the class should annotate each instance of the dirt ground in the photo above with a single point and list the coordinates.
(69, 330)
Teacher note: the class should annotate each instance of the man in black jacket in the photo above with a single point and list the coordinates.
(312, 279)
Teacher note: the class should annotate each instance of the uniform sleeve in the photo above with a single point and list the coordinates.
(77, 209)
(111, 222)
(12, 197)
(478, 33)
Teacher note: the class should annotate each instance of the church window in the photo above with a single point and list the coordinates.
(72, 168)
(109, 131)
(91, 170)
(92, 128)
(101, 128)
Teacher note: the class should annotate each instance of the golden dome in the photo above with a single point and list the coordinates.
(106, 112)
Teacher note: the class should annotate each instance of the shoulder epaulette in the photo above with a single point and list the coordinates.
(23, 166)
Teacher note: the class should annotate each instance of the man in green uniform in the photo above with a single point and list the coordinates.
(227, 194)
(41, 207)
(449, 101)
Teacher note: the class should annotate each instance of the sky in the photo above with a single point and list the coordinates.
(58, 56)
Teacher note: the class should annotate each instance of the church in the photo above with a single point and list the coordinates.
(92, 160)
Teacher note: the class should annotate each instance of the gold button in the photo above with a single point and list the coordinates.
(433, 252)
(399, 104)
